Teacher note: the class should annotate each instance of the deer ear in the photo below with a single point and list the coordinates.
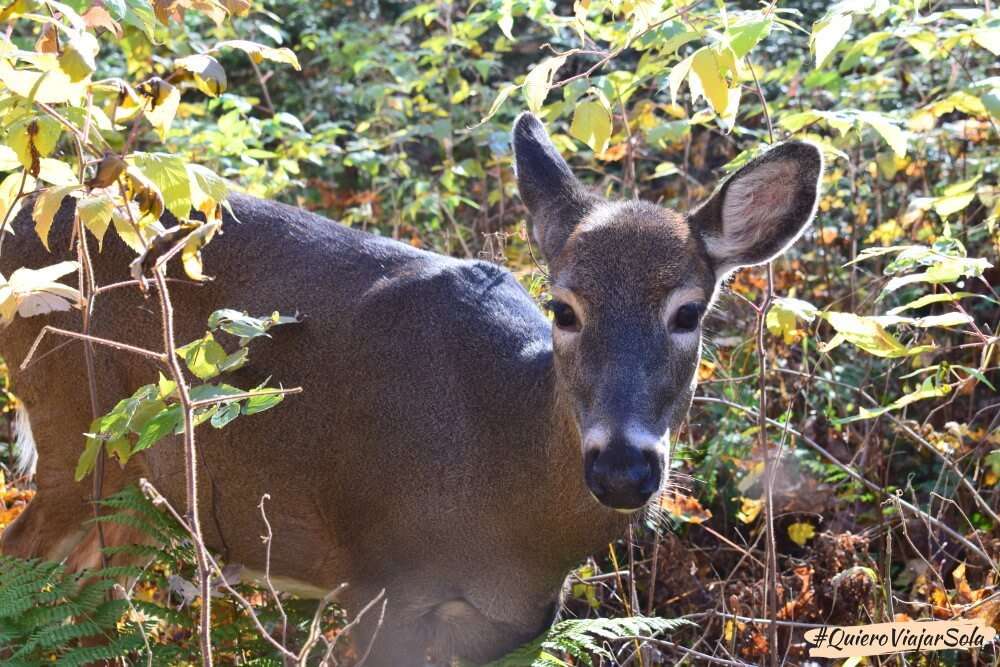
(556, 201)
(760, 211)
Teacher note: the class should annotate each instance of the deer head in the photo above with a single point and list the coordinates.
(630, 283)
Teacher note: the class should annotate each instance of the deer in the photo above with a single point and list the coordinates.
(454, 445)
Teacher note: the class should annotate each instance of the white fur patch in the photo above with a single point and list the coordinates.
(675, 300)
(25, 450)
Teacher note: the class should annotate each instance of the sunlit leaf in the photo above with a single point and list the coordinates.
(705, 65)
(50, 87)
(893, 135)
(927, 390)
(161, 101)
(539, 80)
(79, 56)
(592, 125)
(208, 189)
(801, 532)
(203, 357)
(45, 209)
(91, 450)
(260, 52)
(782, 318)
(866, 333)
(209, 75)
(170, 175)
(95, 214)
(163, 424)
(745, 36)
(827, 35)
(33, 138)
(31, 292)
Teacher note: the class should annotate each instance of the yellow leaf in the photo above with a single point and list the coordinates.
(161, 103)
(191, 254)
(705, 66)
(52, 87)
(8, 195)
(209, 75)
(750, 509)
(31, 139)
(592, 125)
(95, 214)
(800, 533)
(79, 57)
(259, 52)
(56, 172)
(45, 210)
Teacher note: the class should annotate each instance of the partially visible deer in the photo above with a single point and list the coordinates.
(452, 445)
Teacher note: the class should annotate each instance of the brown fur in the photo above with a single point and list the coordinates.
(436, 451)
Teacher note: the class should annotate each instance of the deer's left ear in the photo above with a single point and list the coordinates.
(762, 208)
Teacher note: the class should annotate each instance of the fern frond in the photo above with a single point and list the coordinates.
(583, 638)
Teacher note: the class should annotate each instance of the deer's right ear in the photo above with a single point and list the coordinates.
(555, 199)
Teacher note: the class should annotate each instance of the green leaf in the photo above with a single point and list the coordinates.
(501, 97)
(159, 427)
(226, 413)
(161, 101)
(592, 125)
(203, 357)
(208, 189)
(245, 327)
(32, 138)
(945, 270)
(88, 459)
(953, 319)
(506, 20)
(951, 204)
(678, 73)
(50, 87)
(989, 39)
(745, 36)
(261, 403)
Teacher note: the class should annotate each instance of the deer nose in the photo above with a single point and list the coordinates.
(622, 475)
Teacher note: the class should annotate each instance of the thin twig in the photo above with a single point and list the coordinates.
(121, 347)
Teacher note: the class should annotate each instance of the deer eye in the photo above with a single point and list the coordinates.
(563, 315)
(688, 317)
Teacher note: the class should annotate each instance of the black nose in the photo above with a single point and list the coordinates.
(623, 477)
